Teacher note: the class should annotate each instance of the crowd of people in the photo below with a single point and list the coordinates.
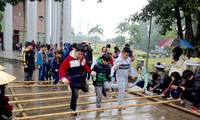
(72, 65)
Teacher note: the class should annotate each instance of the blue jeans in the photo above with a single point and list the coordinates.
(175, 93)
(140, 83)
(28, 76)
(42, 73)
(193, 97)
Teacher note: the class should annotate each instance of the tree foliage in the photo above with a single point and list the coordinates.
(183, 13)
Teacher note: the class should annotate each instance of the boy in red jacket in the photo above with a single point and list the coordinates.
(73, 72)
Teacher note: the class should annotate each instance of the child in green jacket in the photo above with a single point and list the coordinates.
(102, 69)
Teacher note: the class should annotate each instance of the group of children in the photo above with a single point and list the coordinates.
(73, 68)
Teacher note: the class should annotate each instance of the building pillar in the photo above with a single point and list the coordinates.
(56, 14)
(67, 21)
(31, 20)
(47, 21)
(8, 28)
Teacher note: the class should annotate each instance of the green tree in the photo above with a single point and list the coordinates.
(134, 34)
(168, 12)
(122, 27)
(96, 30)
(120, 41)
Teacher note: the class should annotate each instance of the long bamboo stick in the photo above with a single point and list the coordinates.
(172, 105)
(18, 105)
(39, 93)
(31, 86)
(83, 103)
(63, 97)
(47, 93)
(94, 109)
(55, 98)
(37, 81)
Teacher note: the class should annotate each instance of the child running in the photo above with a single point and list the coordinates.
(73, 72)
(122, 66)
(102, 69)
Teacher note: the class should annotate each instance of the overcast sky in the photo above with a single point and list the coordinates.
(108, 13)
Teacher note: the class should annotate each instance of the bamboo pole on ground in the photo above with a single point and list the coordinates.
(30, 86)
(44, 93)
(171, 105)
(63, 97)
(54, 98)
(94, 109)
(18, 105)
(35, 81)
(83, 103)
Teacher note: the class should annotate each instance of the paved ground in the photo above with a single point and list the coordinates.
(153, 112)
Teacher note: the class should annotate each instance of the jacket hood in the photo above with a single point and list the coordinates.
(99, 60)
(72, 54)
(144, 71)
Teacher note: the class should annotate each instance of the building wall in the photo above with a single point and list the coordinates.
(18, 16)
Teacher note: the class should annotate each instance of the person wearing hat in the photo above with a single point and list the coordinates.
(164, 77)
(5, 107)
(55, 65)
(29, 62)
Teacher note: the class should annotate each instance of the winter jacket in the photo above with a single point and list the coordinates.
(88, 55)
(54, 65)
(28, 59)
(74, 70)
(145, 76)
(103, 72)
(179, 66)
(40, 61)
(193, 85)
(67, 49)
(124, 69)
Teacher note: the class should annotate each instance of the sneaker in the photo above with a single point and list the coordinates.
(169, 98)
(182, 102)
(40, 82)
(104, 93)
(74, 114)
(195, 109)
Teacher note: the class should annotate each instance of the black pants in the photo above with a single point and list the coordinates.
(193, 97)
(74, 96)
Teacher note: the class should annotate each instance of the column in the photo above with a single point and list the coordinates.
(47, 21)
(54, 21)
(56, 14)
(32, 17)
(8, 28)
(67, 22)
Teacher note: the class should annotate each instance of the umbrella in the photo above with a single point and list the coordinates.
(5, 78)
(2, 68)
(175, 42)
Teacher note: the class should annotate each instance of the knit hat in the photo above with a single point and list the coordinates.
(159, 65)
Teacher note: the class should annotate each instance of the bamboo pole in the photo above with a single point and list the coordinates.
(39, 93)
(18, 105)
(63, 97)
(83, 103)
(54, 98)
(36, 81)
(31, 86)
(47, 93)
(172, 105)
(94, 109)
